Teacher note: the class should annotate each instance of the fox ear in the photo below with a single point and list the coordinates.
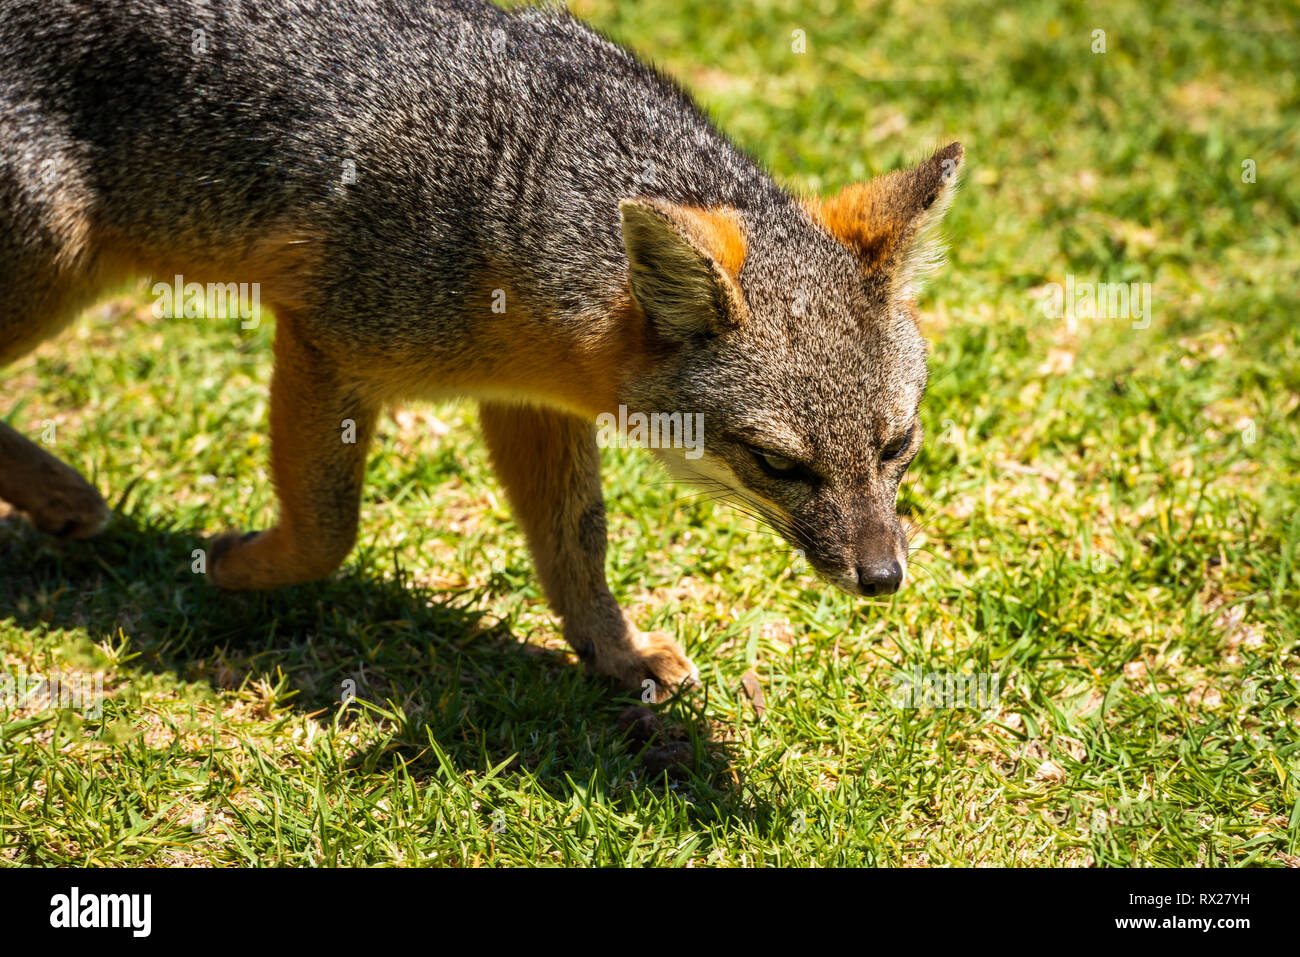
(684, 266)
(885, 221)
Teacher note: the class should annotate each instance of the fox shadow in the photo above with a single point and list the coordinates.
(438, 668)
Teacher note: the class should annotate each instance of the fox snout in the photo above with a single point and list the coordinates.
(881, 560)
(880, 577)
(878, 565)
(868, 561)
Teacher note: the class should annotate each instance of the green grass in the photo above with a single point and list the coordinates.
(1109, 516)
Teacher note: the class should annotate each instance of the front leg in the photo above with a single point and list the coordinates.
(550, 466)
(321, 427)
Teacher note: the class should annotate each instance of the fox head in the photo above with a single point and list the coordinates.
(793, 331)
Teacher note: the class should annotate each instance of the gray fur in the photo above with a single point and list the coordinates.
(482, 139)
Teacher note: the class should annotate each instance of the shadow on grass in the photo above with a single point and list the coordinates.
(444, 672)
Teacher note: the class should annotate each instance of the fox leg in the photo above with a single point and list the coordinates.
(53, 495)
(320, 431)
(38, 297)
(550, 466)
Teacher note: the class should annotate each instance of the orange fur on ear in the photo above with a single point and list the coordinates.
(719, 231)
(879, 220)
(684, 265)
(857, 218)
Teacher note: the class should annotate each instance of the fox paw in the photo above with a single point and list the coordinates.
(649, 661)
(70, 510)
(228, 564)
(269, 559)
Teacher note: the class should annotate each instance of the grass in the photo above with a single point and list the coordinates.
(1109, 522)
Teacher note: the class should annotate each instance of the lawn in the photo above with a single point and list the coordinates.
(1105, 510)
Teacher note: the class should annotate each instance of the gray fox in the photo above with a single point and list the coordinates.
(444, 198)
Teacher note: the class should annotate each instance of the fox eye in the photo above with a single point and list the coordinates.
(896, 448)
(778, 463)
(777, 466)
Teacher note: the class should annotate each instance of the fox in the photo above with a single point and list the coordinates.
(446, 198)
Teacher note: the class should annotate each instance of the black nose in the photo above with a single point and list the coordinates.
(879, 578)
